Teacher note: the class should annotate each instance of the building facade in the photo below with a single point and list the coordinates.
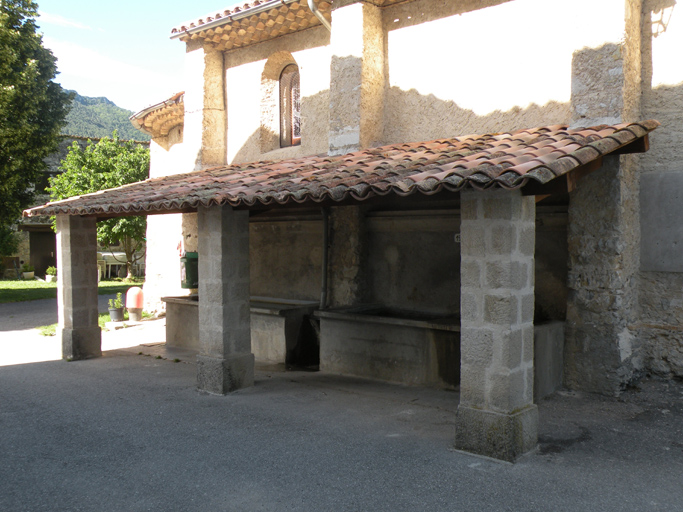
(393, 72)
(281, 164)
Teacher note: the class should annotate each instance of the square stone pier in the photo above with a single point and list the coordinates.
(496, 416)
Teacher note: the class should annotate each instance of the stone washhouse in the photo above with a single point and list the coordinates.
(464, 195)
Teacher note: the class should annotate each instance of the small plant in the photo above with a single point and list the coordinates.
(48, 330)
(51, 271)
(27, 268)
(116, 303)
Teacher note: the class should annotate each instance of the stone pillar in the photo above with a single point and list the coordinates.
(602, 349)
(347, 256)
(496, 416)
(356, 77)
(77, 287)
(225, 361)
(205, 131)
(602, 352)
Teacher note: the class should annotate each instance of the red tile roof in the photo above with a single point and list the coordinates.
(218, 15)
(507, 160)
(251, 23)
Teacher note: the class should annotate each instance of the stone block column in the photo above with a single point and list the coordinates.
(205, 133)
(77, 270)
(347, 256)
(496, 416)
(225, 361)
(356, 77)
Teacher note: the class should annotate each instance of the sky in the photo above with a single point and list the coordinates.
(120, 50)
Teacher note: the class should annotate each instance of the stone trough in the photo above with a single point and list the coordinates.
(419, 349)
(394, 345)
(280, 332)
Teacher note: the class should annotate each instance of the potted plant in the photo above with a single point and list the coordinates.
(51, 274)
(28, 271)
(116, 309)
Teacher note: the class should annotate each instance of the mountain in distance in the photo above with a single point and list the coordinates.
(99, 117)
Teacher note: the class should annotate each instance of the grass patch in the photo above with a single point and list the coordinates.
(102, 319)
(20, 291)
(48, 330)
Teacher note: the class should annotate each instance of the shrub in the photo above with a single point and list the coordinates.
(116, 303)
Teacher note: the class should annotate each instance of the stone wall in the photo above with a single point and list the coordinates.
(414, 261)
(411, 260)
(286, 258)
(602, 352)
(661, 174)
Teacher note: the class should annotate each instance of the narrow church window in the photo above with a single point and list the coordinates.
(290, 107)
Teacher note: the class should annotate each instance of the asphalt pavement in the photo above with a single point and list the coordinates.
(130, 432)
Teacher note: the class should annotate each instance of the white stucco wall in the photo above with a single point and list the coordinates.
(243, 72)
(162, 261)
(504, 67)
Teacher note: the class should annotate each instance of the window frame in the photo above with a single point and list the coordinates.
(290, 106)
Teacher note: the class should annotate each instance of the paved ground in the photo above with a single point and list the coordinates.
(129, 432)
(18, 321)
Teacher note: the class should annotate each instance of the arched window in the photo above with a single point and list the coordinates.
(290, 106)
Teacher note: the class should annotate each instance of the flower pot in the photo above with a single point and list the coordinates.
(28, 275)
(116, 314)
(50, 279)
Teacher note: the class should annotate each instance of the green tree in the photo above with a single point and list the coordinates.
(108, 164)
(32, 111)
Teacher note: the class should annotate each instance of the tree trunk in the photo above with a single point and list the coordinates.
(129, 248)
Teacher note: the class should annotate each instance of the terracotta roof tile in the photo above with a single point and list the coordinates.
(157, 120)
(251, 23)
(507, 160)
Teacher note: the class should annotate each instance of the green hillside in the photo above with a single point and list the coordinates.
(99, 117)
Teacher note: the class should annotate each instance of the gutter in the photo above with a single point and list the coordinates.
(319, 15)
(258, 9)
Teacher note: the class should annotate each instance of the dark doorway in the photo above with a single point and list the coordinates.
(43, 251)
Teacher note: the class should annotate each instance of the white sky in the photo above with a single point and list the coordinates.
(120, 50)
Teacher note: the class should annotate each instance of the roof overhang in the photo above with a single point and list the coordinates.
(251, 23)
(540, 161)
(157, 120)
